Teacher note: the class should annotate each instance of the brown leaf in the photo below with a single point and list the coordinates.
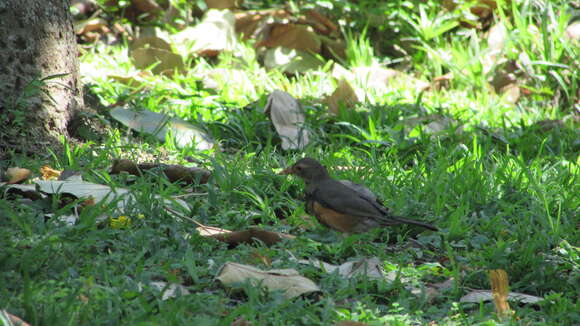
(166, 61)
(17, 175)
(249, 23)
(49, 173)
(317, 19)
(234, 238)
(145, 42)
(291, 61)
(223, 4)
(213, 35)
(91, 25)
(286, 280)
(174, 173)
(288, 119)
(343, 97)
(292, 36)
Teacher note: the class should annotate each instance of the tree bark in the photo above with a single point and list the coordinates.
(40, 88)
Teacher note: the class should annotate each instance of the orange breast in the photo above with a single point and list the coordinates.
(331, 218)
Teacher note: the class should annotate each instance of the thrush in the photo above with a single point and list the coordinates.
(342, 205)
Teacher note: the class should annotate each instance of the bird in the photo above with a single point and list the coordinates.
(342, 205)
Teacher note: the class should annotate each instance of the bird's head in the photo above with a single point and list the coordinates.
(308, 169)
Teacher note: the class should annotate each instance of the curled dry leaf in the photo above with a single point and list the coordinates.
(166, 62)
(223, 4)
(289, 281)
(17, 175)
(174, 173)
(288, 119)
(292, 36)
(159, 125)
(291, 61)
(343, 96)
(477, 296)
(234, 238)
(214, 34)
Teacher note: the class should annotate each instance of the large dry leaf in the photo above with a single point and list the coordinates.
(250, 23)
(291, 61)
(145, 42)
(486, 295)
(573, 32)
(495, 46)
(17, 175)
(159, 125)
(174, 173)
(288, 119)
(288, 281)
(166, 61)
(292, 36)
(343, 97)
(214, 34)
(223, 4)
(234, 238)
(368, 267)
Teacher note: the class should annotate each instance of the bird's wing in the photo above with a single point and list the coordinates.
(335, 195)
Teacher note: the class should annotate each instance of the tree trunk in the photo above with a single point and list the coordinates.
(40, 89)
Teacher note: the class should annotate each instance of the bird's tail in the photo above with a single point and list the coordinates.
(413, 222)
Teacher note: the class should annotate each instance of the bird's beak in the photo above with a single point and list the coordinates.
(287, 171)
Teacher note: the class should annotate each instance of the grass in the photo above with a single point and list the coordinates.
(503, 191)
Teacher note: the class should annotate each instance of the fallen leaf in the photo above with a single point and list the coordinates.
(573, 31)
(349, 323)
(496, 39)
(17, 175)
(292, 36)
(174, 173)
(251, 23)
(241, 321)
(234, 238)
(145, 42)
(166, 61)
(214, 34)
(477, 296)
(159, 125)
(90, 25)
(288, 119)
(287, 280)
(343, 97)
(136, 80)
(223, 4)
(291, 61)
(371, 268)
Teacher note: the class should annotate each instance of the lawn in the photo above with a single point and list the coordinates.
(499, 177)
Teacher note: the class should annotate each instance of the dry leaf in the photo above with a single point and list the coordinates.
(49, 173)
(159, 125)
(234, 238)
(223, 4)
(573, 31)
(477, 296)
(349, 323)
(174, 173)
(91, 25)
(286, 280)
(241, 321)
(318, 20)
(214, 34)
(136, 80)
(166, 61)
(145, 42)
(496, 39)
(17, 175)
(291, 61)
(292, 36)
(288, 119)
(343, 96)
(371, 268)
(249, 23)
